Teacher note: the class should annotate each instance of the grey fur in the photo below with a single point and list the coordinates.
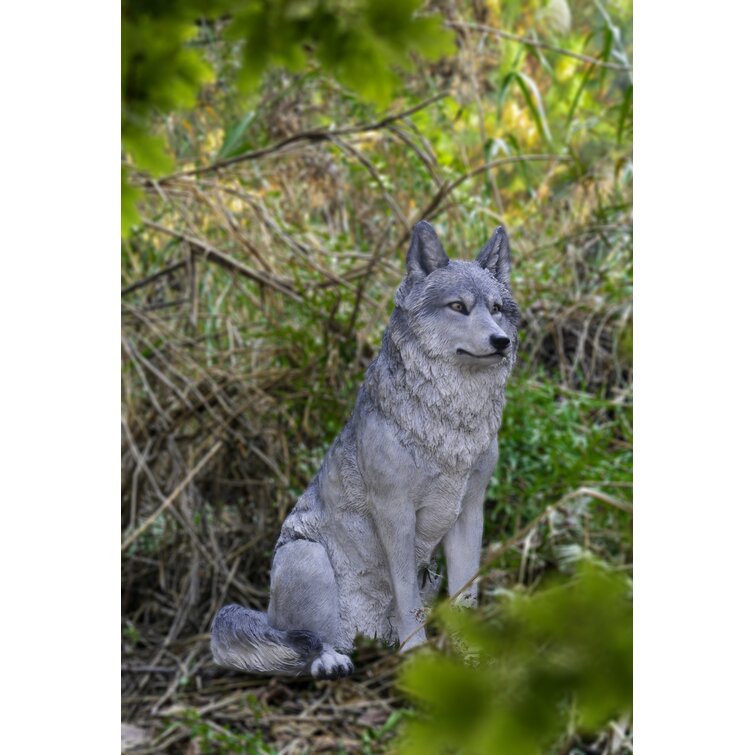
(407, 473)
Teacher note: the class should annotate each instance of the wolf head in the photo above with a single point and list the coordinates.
(460, 312)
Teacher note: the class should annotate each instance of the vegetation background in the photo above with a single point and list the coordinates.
(275, 157)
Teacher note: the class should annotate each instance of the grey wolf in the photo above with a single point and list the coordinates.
(406, 475)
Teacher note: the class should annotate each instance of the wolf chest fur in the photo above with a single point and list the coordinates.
(406, 476)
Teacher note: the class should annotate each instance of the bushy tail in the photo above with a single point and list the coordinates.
(242, 639)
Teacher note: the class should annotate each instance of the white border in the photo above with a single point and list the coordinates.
(694, 381)
(59, 294)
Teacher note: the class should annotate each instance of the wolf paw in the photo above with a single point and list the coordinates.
(331, 665)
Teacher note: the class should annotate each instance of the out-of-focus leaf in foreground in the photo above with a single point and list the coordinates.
(547, 664)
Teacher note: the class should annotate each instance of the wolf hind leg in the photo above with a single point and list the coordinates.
(304, 597)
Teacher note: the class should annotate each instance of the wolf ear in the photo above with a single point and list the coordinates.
(495, 255)
(426, 253)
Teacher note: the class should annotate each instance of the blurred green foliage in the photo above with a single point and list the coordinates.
(361, 43)
(539, 666)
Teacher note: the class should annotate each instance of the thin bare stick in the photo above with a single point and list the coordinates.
(216, 256)
(315, 135)
(432, 208)
(426, 156)
(373, 171)
(150, 278)
(447, 188)
(604, 497)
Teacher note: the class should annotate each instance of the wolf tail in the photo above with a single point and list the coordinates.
(243, 639)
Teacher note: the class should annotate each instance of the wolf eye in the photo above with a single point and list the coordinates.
(458, 306)
(495, 309)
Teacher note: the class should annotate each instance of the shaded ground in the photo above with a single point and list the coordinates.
(210, 710)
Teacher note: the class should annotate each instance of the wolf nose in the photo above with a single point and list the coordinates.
(500, 343)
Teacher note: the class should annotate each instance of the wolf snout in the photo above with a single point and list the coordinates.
(500, 343)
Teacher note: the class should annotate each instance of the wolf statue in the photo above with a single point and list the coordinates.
(407, 473)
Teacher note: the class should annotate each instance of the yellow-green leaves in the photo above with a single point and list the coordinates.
(159, 74)
(532, 98)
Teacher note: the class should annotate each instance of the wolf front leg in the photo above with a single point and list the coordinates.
(387, 470)
(463, 542)
(395, 521)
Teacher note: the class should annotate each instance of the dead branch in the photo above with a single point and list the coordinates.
(152, 278)
(312, 136)
(214, 255)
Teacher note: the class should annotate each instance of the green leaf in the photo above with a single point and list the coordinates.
(433, 41)
(532, 98)
(149, 152)
(605, 53)
(234, 142)
(578, 95)
(130, 196)
(534, 102)
(448, 685)
(624, 112)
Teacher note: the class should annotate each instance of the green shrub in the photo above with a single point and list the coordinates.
(536, 670)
